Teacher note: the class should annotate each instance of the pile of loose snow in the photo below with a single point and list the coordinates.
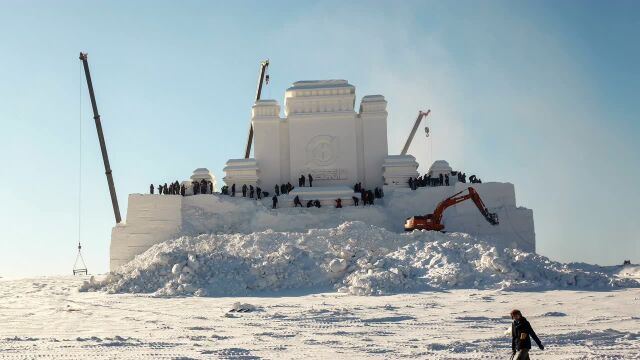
(353, 258)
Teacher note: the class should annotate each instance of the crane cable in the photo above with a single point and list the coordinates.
(79, 267)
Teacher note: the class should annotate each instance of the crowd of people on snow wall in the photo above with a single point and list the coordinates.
(366, 196)
(175, 188)
(441, 180)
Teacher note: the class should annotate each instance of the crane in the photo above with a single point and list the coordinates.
(264, 78)
(421, 115)
(103, 146)
(434, 221)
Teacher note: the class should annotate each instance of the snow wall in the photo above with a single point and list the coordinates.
(152, 219)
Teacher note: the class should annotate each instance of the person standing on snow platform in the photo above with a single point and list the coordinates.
(296, 201)
(411, 183)
(310, 180)
(289, 187)
(258, 193)
(251, 190)
(151, 188)
(338, 203)
(370, 197)
(277, 190)
(244, 190)
(440, 180)
(233, 190)
(183, 190)
(303, 180)
(446, 179)
(203, 186)
(274, 201)
(309, 203)
(521, 331)
(355, 200)
(210, 187)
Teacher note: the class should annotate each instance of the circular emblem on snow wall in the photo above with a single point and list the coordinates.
(322, 150)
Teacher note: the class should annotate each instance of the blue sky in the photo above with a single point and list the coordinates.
(541, 94)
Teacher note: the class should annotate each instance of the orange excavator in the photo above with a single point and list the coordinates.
(433, 221)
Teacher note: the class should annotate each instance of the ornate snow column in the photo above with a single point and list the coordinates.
(241, 172)
(398, 169)
(265, 116)
(373, 112)
(203, 173)
(439, 167)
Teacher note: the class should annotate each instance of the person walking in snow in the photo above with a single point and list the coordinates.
(244, 190)
(355, 200)
(302, 180)
(277, 190)
(296, 201)
(258, 193)
(183, 189)
(310, 180)
(446, 179)
(233, 190)
(274, 200)
(251, 190)
(151, 188)
(521, 334)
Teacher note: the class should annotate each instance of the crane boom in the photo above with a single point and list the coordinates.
(421, 115)
(263, 70)
(103, 146)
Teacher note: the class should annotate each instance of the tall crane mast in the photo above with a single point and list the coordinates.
(421, 115)
(103, 146)
(264, 78)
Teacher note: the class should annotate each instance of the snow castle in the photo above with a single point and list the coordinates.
(320, 135)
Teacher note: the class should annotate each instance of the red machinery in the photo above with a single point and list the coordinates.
(433, 221)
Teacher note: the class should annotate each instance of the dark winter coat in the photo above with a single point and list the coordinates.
(520, 332)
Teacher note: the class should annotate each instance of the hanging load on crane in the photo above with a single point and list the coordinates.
(434, 221)
(421, 115)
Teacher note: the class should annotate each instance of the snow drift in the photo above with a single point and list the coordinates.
(353, 258)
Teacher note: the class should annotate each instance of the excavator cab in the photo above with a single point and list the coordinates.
(425, 222)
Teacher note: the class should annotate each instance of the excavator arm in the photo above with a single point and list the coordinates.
(472, 194)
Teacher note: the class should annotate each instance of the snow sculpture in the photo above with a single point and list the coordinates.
(320, 134)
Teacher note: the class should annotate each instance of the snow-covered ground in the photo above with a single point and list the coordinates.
(48, 318)
(445, 296)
